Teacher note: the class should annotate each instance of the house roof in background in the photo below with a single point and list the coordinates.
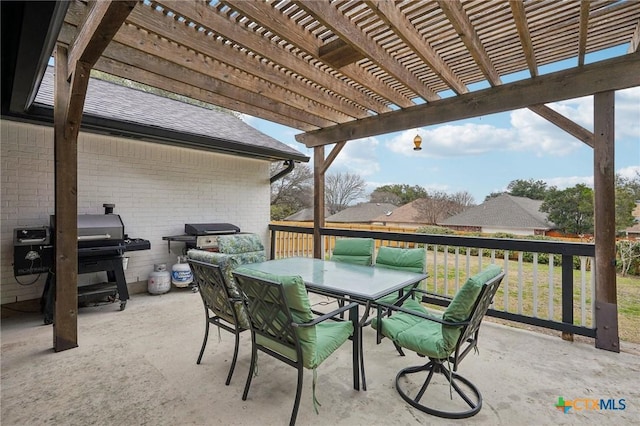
(201, 128)
(364, 212)
(304, 215)
(504, 211)
(408, 213)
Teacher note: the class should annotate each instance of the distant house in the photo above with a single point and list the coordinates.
(362, 213)
(406, 216)
(504, 213)
(304, 215)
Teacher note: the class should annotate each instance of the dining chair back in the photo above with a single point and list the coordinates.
(284, 327)
(401, 259)
(354, 250)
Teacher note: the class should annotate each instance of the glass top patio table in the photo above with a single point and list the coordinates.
(364, 284)
(356, 282)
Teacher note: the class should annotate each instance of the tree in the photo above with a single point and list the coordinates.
(384, 197)
(571, 210)
(292, 192)
(534, 189)
(405, 193)
(341, 189)
(440, 205)
(627, 193)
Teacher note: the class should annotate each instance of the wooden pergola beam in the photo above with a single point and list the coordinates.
(101, 24)
(613, 74)
(73, 69)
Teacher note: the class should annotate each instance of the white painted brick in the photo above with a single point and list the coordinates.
(156, 189)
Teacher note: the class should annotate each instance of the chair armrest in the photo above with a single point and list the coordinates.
(326, 316)
(421, 315)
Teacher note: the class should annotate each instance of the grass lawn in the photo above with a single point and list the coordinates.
(532, 297)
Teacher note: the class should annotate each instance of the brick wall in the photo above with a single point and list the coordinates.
(156, 189)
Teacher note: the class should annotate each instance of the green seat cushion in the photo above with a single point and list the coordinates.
(415, 333)
(400, 259)
(354, 250)
(462, 303)
(317, 342)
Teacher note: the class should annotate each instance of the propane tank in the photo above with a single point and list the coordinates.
(181, 275)
(159, 280)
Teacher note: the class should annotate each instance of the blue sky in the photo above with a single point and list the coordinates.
(483, 154)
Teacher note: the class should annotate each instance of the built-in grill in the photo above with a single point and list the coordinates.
(202, 235)
(101, 244)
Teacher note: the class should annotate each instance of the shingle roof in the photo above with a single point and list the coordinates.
(503, 211)
(408, 213)
(364, 212)
(304, 215)
(123, 104)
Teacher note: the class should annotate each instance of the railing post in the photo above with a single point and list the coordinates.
(272, 254)
(567, 294)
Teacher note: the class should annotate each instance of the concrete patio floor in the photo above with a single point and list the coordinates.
(138, 367)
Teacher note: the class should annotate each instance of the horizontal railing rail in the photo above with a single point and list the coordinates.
(549, 284)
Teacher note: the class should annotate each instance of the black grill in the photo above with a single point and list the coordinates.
(101, 245)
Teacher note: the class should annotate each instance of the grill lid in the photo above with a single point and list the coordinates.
(98, 227)
(210, 228)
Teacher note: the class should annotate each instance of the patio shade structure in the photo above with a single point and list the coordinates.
(339, 70)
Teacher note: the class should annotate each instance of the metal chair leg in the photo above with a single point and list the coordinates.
(235, 357)
(254, 359)
(296, 404)
(206, 335)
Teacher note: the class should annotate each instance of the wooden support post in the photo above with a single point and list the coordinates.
(66, 124)
(606, 315)
(318, 199)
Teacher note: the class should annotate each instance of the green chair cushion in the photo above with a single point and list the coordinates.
(400, 259)
(414, 333)
(354, 250)
(462, 303)
(431, 338)
(294, 290)
(317, 342)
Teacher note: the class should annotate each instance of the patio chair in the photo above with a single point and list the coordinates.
(221, 308)
(354, 250)
(220, 295)
(445, 339)
(283, 326)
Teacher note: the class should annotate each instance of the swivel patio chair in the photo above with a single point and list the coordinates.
(284, 327)
(354, 250)
(221, 308)
(445, 339)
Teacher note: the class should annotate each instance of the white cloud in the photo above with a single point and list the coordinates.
(631, 172)
(452, 140)
(568, 181)
(535, 134)
(357, 156)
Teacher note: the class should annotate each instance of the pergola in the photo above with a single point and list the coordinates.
(346, 69)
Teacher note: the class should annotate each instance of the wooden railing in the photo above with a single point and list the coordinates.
(548, 284)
